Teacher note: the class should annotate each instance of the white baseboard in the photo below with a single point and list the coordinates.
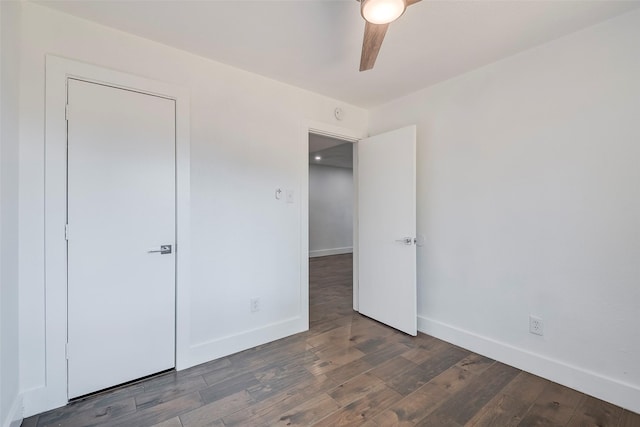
(215, 349)
(334, 251)
(15, 415)
(589, 382)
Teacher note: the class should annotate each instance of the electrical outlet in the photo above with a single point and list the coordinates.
(536, 326)
(254, 304)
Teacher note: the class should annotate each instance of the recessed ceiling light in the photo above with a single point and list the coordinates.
(318, 157)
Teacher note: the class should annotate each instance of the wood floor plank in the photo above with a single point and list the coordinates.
(276, 378)
(283, 350)
(170, 390)
(278, 404)
(173, 422)
(159, 413)
(307, 413)
(88, 415)
(593, 412)
(361, 410)
(453, 379)
(392, 368)
(356, 388)
(97, 408)
(385, 352)
(555, 406)
(475, 363)
(212, 413)
(422, 402)
(629, 419)
(329, 360)
(218, 375)
(339, 336)
(405, 377)
(350, 370)
(509, 406)
(229, 387)
(410, 409)
(30, 421)
(425, 351)
(466, 402)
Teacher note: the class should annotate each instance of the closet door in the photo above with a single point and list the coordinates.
(121, 236)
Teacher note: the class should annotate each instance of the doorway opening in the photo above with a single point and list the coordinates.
(331, 196)
(332, 210)
(384, 234)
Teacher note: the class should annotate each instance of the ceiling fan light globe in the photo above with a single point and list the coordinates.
(382, 11)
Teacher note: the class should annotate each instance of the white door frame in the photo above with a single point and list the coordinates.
(58, 70)
(347, 135)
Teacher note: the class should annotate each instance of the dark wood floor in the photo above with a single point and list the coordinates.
(346, 370)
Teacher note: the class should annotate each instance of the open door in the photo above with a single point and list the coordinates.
(387, 228)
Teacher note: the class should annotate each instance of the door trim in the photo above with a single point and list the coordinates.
(58, 70)
(348, 135)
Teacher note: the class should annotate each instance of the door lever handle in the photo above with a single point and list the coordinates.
(164, 249)
(406, 240)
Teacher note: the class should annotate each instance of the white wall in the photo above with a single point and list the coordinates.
(248, 137)
(10, 406)
(529, 198)
(330, 210)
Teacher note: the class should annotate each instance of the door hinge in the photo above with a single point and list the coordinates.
(66, 350)
(66, 232)
(66, 112)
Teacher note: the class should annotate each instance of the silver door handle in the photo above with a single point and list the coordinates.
(164, 249)
(406, 240)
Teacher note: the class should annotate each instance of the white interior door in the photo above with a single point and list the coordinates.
(121, 206)
(387, 228)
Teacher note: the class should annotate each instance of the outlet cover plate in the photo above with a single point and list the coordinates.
(536, 326)
(254, 305)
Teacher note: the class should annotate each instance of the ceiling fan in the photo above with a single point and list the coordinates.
(378, 14)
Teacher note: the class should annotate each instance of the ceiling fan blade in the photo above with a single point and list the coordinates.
(410, 2)
(373, 36)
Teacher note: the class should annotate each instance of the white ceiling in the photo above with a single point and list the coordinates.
(315, 44)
